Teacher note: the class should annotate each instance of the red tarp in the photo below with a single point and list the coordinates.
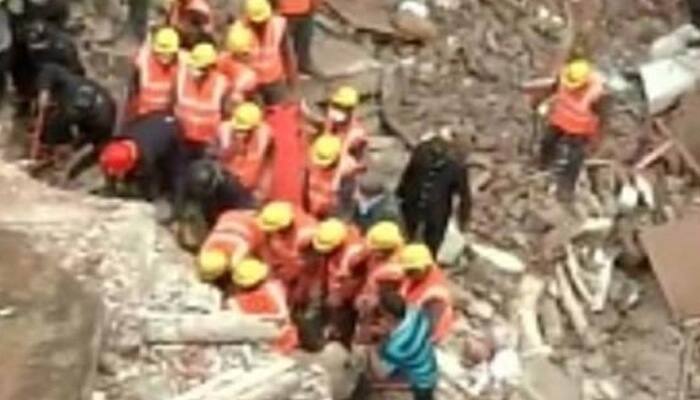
(288, 161)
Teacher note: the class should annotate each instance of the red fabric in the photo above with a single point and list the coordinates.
(287, 164)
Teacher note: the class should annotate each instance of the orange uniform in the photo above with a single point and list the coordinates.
(248, 157)
(283, 251)
(296, 7)
(346, 269)
(432, 288)
(156, 81)
(236, 233)
(323, 186)
(242, 79)
(198, 104)
(572, 110)
(266, 57)
(269, 300)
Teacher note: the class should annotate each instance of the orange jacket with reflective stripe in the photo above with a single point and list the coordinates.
(156, 82)
(432, 288)
(378, 270)
(236, 233)
(323, 186)
(198, 104)
(345, 272)
(268, 299)
(572, 110)
(266, 58)
(296, 7)
(179, 8)
(284, 251)
(241, 78)
(247, 158)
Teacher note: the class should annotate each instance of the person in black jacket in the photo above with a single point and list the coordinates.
(81, 105)
(694, 10)
(433, 177)
(140, 161)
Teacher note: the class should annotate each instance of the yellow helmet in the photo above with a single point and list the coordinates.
(384, 235)
(416, 257)
(258, 10)
(203, 55)
(246, 116)
(329, 235)
(212, 264)
(346, 97)
(325, 150)
(239, 39)
(166, 41)
(250, 272)
(276, 216)
(576, 74)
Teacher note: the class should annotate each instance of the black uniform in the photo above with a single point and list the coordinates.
(431, 180)
(38, 43)
(155, 136)
(81, 103)
(214, 190)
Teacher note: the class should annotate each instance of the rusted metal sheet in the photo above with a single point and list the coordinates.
(674, 252)
(370, 15)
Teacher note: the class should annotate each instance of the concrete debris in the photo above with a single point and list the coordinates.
(500, 259)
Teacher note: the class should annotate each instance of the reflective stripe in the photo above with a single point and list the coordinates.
(155, 86)
(246, 159)
(266, 57)
(199, 113)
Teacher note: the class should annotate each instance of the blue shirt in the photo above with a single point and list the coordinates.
(409, 351)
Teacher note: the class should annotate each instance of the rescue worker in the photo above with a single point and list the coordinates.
(573, 123)
(300, 17)
(328, 190)
(341, 120)
(245, 148)
(200, 93)
(84, 114)
(272, 57)
(288, 232)
(139, 161)
(235, 236)
(233, 64)
(434, 177)
(194, 20)
(213, 190)
(426, 287)
(342, 254)
(155, 71)
(384, 242)
(256, 293)
(40, 44)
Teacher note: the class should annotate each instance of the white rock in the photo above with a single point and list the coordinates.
(506, 367)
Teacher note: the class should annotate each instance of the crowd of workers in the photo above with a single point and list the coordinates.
(296, 227)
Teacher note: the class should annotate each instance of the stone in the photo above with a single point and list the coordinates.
(481, 309)
(545, 380)
(343, 62)
(49, 347)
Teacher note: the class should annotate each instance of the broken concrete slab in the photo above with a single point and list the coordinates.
(367, 15)
(50, 343)
(544, 380)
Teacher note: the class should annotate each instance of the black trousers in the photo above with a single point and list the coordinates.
(422, 394)
(564, 154)
(424, 226)
(301, 30)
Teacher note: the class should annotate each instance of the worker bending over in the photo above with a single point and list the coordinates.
(234, 63)
(328, 190)
(384, 242)
(573, 123)
(245, 148)
(234, 237)
(139, 162)
(256, 293)
(288, 232)
(272, 57)
(341, 120)
(84, 111)
(342, 254)
(425, 287)
(155, 71)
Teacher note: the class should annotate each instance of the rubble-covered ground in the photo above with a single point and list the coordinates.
(559, 302)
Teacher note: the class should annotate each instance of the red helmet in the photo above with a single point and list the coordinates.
(118, 158)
